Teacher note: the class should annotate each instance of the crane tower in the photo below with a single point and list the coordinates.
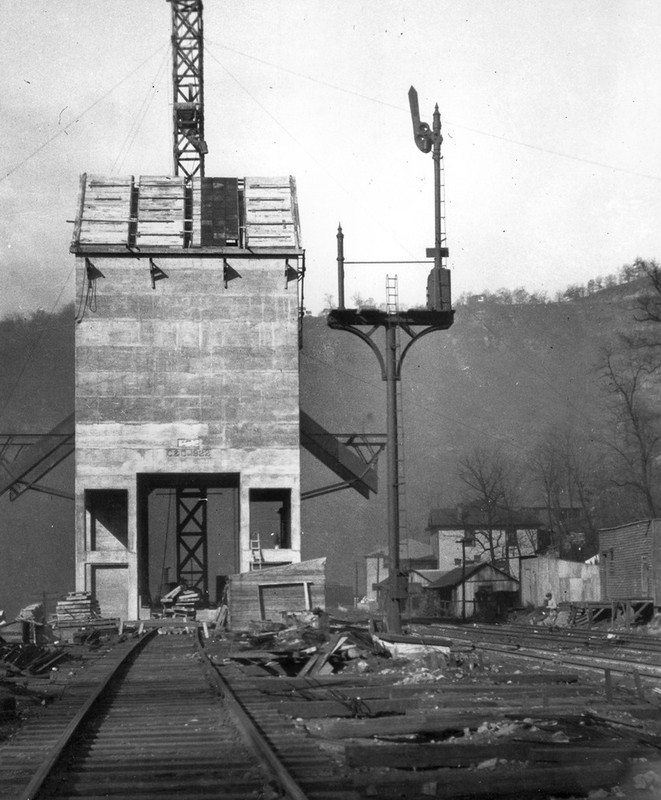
(189, 147)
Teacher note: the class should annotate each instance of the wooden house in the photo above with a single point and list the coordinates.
(461, 534)
(413, 555)
(474, 590)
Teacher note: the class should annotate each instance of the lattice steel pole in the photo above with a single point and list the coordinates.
(189, 147)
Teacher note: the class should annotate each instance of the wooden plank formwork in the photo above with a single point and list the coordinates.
(271, 212)
(161, 211)
(104, 210)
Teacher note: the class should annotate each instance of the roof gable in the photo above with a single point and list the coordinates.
(458, 575)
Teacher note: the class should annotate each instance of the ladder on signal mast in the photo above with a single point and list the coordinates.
(392, 307)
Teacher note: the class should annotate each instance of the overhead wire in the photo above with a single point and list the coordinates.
(37, 340)
(141, 114)
(366, 212)
(77, 119)
(446, 122)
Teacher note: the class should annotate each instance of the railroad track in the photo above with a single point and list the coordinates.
(618, 653)
(156, 717)
(148, 721)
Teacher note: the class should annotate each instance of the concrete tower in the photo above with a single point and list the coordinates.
(187, 392)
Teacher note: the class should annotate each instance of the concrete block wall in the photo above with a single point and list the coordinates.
(188, 361)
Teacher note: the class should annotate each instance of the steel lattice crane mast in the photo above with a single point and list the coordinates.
(188, 88)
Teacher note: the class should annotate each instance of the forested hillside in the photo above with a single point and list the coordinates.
(36, 392)
(524, 383)
(520, 385)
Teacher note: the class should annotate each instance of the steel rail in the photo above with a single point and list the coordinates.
(592, 661)
(250, 731)
(569, 638)
(55, 753)
(626, 639)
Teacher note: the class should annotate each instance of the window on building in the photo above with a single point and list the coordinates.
(611, 561)
(511, 538)
(457, 562)
(469, 538)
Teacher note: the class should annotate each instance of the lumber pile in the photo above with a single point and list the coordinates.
(181, 603)
(79, 607)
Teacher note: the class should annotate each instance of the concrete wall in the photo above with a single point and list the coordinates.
(188, 377)
(566, 580)
(630, 561)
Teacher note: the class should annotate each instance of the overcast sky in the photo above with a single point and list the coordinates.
(551, 115)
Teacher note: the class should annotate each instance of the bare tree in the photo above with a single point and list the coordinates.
(637, 427)
(489, 477)
(566, 468)
(648, 312)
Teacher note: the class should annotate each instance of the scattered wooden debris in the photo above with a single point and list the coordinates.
(446, 720)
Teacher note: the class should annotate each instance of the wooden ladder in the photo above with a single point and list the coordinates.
(256, 559)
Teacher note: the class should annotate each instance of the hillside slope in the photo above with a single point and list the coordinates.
(502, 373)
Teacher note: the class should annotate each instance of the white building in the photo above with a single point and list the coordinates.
(463, 534)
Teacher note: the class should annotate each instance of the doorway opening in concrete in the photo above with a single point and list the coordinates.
(107, 519)
(270, 517)
(188, 533)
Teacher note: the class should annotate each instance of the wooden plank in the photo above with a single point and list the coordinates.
(432, 722)
(161, 210)
(104, 217)
(505, 782)
(442, 754)
(75, 238)
(269, 212)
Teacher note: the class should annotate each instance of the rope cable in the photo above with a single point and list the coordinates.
(141, 115)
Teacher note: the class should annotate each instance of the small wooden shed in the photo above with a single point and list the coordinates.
(267, 594)
(472, 590)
